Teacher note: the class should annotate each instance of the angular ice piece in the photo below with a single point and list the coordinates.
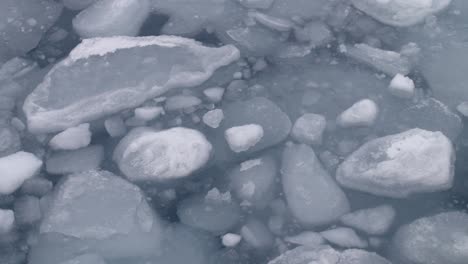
(15, 169)
(148, 113)
(181, 102)
(115, 126)
(306, 238)
(10, 141)
(309, 128)
(415, 161)
(145, 154)
(187, 17)
(213, 118)
(214, 212)
(98, 205)
(389, 62)
(400, 13)
(116, 73)
(441, 238)
(7, 221)
(72, 138)
(107, 18)
(27, 211)
(214, 94)
(242, 138)
(86, 259)
(255, 40)
(253, 181)
(231, 240)
(22, 24)
(271, 22)
(373, 221)
(362, 113)
(36, 186)
(313, 196)
(259, 110)
(401, 86)
(67, 162)
(344, 237)
(256, 234)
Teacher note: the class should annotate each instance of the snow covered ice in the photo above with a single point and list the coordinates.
(233, 131)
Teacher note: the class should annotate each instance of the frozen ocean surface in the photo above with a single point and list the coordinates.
(233, 132)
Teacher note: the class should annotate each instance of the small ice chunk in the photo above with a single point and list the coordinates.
(148, 113)
(362, 113)
(462, 108)
(256, 234)
(115, 126)
(389, 62)
(271, 22)
(181, 102)
(242, 138)
(373, 221)
(401, 86)
(231, 240)
(67, 162)
(106, 18)
(309, 128)
(27, 211)
(145, 154)
(36, 186)
(441, 238)
(7, 221)
(214, 94)
(72, 138)
(213, 118)
(415, 161)
(313, 196)
(15, 169)
(344, 237)
(211, 212)
(306, 238)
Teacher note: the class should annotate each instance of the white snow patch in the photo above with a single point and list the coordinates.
(231, 240)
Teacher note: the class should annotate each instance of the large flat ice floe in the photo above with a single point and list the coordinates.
(398, 165)
(102, 76)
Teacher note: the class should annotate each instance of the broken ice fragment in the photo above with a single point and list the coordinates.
(344, 237)
(400, 13)
(362, 113)
(398, 165)
(7, 221)
(231, 240)
(148, 113)
(256, 234)
(103, 76)
(271, 22)
(389, 62)
(181, 102)
(242, 138)
(312, 195)
(309, 128)
(401, 86)
(107, 18)
(72, 138)
(374, 221)
(122, 208)
(213, 118)
(306, 238)
(145, 154)
(15, 169)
